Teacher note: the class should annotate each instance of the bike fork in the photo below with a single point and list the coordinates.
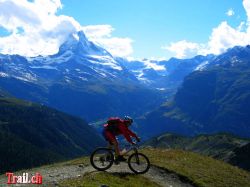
(137, 157)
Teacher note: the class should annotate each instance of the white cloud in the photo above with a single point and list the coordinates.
(98, 31)
(230, 12)
(44, 31)
(117, 46)
(152, 65)
(246, 4)
(183, 49)
(101, 34)
(222, 37)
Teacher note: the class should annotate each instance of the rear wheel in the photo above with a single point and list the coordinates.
(102, 158)
(138, 163)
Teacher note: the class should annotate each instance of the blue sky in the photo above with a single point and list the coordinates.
(136, 28)
(152, 24)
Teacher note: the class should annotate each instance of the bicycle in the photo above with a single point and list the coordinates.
(103, 158)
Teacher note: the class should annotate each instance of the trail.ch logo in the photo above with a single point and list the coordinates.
(25, 178)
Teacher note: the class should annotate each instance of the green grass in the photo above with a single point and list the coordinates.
(95, 179)
(201, 170)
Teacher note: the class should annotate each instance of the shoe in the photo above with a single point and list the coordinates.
(116, 162)
(120, 159)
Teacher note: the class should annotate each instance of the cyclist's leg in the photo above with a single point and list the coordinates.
(118, 155)
(112, 142)
(116, 146)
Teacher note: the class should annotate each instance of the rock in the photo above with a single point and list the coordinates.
(104, 185)
(80, 165)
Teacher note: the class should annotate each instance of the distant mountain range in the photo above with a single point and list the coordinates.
(94, 83)
(165, 74)
(33, 135)
(213, 99)
(85, 75)
(225, 147)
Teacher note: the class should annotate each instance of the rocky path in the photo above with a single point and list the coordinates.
(53, 174)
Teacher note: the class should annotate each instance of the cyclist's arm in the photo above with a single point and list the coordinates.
(131, 133)
(125, 133)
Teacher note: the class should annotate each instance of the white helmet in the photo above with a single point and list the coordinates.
(127, 118)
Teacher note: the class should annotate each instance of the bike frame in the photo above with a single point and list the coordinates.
(130, 148)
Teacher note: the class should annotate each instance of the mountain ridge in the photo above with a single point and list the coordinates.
(32, 135)
(222, 146)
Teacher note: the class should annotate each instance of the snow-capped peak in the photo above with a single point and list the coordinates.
(80, 45)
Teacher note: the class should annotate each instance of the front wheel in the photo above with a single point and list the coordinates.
(138, 163)
(102, 158)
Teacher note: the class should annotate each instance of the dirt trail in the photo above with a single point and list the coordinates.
(53, 174)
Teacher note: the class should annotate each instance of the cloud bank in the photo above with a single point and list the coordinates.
(101, 34)
(36, 29)
(222, 37)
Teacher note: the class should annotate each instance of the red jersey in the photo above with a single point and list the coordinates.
(122, 129)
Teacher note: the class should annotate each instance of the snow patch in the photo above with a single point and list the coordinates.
(234, 61)
(105, 61)
(202, 66)
(83, 78)
(44, 67)
(161, 89)
(27, 78)
(51, 59)
(2, 74)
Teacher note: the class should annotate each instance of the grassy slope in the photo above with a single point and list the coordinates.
(199, 170)
(220, 146)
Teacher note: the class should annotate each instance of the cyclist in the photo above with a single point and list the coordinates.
(116, 126)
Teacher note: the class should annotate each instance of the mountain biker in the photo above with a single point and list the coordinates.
(118, 127)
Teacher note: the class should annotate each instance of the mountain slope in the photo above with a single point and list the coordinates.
(32, 134)
(241, 157)
(224, 147)
(214, 99)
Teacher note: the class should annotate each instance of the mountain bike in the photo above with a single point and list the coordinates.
(103, 158)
